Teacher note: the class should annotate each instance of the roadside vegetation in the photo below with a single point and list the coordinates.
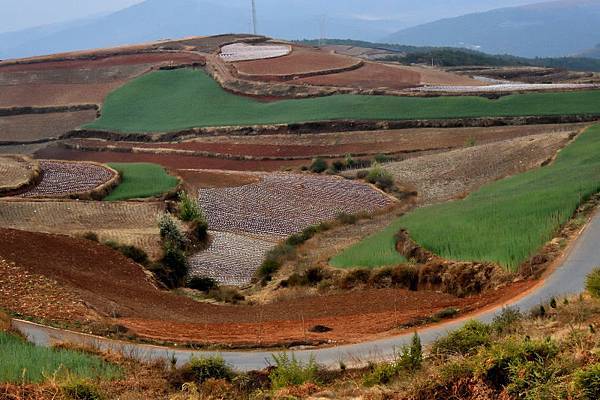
(174, 100)
(141, 180)
(24, 362)
(505, 222)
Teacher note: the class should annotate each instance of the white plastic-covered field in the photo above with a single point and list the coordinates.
(247, 52)
(507, 87)
(285, 203)
(60, 179)
(231, 259)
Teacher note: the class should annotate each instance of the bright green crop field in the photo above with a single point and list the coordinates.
(21, 361)
(165, 101)
(140, 180)
(504, 222)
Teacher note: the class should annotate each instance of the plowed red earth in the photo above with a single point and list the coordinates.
(171, 161)
(130, 59)
(301, 60)
(115, 286)
(369, 76)
(308, 146)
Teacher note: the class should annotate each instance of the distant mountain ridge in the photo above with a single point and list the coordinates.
(550, 29)
(285, 19)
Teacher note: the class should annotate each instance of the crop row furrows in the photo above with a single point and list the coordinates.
(63, 178)
(231, 259)
(287, 203)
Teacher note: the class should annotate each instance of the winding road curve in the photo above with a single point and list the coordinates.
(567, 279)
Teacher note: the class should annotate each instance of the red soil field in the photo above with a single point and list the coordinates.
(341, 143)
(38, 95)
(32, 127)
(369, 76)
(115, 286)
(118, 60)
(301, 60)
(171, 161)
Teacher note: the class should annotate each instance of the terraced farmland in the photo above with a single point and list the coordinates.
(126, 223)
(231, 259)
(283, 204)
(16, 172)
(66, 179)
(174, 100)
(509, 220)
(140, 180)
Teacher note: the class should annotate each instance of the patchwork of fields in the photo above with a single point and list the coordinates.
(174, 100)
(505, 222)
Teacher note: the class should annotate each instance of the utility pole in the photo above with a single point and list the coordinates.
(254, 23)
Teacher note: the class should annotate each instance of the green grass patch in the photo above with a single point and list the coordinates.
(140, 180)
(504, 222)
(378, 250)
(24, 362)
(165, 101)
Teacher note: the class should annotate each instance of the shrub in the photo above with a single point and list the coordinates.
(356, 277)
(135, 253)
(189, 209)
(175, 263)
(199, 370)
(92, 236)
(381, 374)
(311, 277)
(226, 295)
(382, 158)
(203, 284)
(411, 357)
(507, 321)
(464, 341)
(362, 174)
(380, 177)
(587, 382)
(289, 371)
(268, 268)
(170, 232)
(406, 276)
(446, 313)
(199, 230)
(592, 283)
(81, 390)
(318, 165)
(518, 365)
(338, 166)
(347, 219)
(349, 161)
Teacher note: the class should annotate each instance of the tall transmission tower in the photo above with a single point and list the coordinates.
(254, 22)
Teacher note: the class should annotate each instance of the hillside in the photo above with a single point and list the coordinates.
(592, 53)
(157, 19)
(549, 29)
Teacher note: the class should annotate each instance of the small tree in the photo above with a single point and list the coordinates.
(318, 165)
(189, 209)
(380, 177)
(170, 232)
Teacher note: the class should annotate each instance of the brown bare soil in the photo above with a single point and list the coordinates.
(332, 144)
(369, 76)
(34, 127)
(40, 297)
(114, 61)
(301, 60)
(124, 222)
(171, 161)
(116, 287)
(77, 81)
(16, 172)
(196, 179)
(435, 77)
(449, 175)
(37, 95)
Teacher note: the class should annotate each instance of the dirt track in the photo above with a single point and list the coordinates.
(114, 286)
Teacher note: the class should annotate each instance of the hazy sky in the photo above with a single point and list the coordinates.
(20, 14)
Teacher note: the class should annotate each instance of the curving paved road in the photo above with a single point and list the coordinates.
(568, 279)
